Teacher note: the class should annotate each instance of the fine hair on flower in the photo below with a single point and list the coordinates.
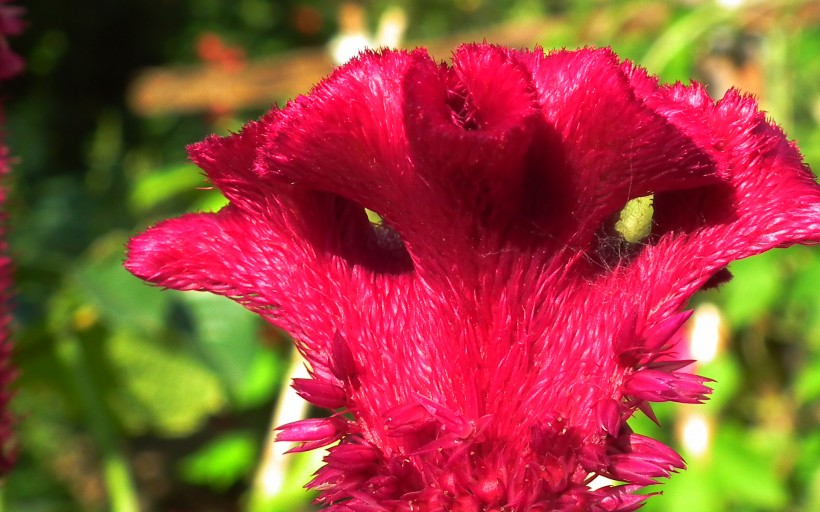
(483, 346)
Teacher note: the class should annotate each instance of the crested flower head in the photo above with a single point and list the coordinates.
(484, 343)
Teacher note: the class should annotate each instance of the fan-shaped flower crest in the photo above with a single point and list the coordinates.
(483, 345)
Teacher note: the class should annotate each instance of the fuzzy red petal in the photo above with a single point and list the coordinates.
(493, 334)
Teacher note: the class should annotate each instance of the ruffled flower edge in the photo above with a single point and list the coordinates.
(391, 127)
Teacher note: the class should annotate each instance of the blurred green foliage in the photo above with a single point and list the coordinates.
(127, 392)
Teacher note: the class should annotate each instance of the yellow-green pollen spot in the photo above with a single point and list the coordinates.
(635, 220)
(373, 217)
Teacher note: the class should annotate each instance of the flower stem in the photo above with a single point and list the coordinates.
(269, 479)
(118, 480)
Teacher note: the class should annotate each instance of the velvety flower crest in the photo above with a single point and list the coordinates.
(483, 345)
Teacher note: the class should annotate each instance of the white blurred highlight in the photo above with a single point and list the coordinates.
(347, 46)
(600, 481)
(392, 25)
(730, 4)
(704, 338)
(353, 36)
(290, 407)
(695, 433)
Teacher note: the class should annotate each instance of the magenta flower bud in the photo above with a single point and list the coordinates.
(312, 432)
(657, 338)
(323, 394)
(661, 386)
(652, 449)
(342, 364)
(352, 456)
(609, 416)
(407, 419)
(653, 342)
(620, 499)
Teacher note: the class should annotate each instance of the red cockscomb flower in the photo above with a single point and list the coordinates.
(485, 344)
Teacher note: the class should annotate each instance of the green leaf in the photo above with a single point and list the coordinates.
(813, 492)
(807, 465)
(118, 296)
(727, 374)
(688, 491)
(222, 462)
(748, 471)
(156, 187)
(209, 202)
(162, 387)
(754, 290)
(53, 449)
(674, 44)
(804, 301)
(807, 384)
(227, 336)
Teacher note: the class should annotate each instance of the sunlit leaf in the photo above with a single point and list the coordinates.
(807, 385)
(228, 337)
(754, 290)
(748, 474)
(688, 491)
(222, 462)
(116, 294)
(162, 388)
(727, 374)
(156, 187)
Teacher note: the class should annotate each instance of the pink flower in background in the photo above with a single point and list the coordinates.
(484, 345)
(8, 452)
(11, 24)
(11, 64)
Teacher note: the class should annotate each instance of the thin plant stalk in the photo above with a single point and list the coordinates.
(271, 475)
(117, 475)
